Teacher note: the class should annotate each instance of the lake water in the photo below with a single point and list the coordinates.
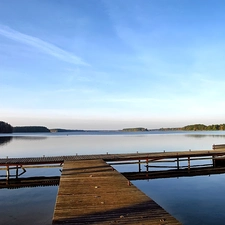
(192, 200)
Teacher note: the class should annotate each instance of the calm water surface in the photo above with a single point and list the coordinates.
(192, 200)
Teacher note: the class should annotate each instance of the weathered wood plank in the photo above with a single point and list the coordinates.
(91, 192)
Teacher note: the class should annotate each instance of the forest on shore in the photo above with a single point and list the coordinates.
(7, 128)
(204, 127)
(136, 129)
(198, 127)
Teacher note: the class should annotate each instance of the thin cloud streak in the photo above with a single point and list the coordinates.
(43, 46)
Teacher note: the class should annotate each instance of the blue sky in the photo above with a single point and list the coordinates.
(110, 64)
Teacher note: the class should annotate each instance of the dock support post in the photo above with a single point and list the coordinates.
(7, 174)
(178, 166)
(189, 164)
(213, 161)
(24, 170)
(147, 165)
(139, 165)
(17, 171)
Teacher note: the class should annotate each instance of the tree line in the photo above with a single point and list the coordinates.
(7, 128)
(195, 127)
(204, 127)
(32, 129)
(136, 129)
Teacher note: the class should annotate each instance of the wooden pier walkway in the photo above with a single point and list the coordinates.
(152, 156)
(21, 164)
(92, 192)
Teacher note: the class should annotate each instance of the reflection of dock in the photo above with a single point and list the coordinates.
(201, 171)
(29, 182)
(216, 157)
(92, 192)
(14, 183)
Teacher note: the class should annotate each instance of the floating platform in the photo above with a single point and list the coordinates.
(92, 192)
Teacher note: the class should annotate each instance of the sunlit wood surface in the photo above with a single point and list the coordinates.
(91, 192)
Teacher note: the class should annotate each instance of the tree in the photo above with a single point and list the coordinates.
(5, 127)
(28, 129)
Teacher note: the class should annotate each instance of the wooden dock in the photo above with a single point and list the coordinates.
(152, 156)
(21, 164)
(92, 192)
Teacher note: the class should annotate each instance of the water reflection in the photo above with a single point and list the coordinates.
(29, 182)
(35, 138)
(5, 140)
(204, 135)
(204, 171)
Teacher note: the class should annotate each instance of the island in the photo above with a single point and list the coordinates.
(5, 127)
(31, 129)
(136, 129)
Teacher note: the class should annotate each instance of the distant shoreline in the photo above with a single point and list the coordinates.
(7, 128)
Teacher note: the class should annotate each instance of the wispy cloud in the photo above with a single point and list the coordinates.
(41, 45)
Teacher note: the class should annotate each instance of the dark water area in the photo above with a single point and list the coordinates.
(192, 200)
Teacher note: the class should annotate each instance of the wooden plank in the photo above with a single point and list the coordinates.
(92, 192)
